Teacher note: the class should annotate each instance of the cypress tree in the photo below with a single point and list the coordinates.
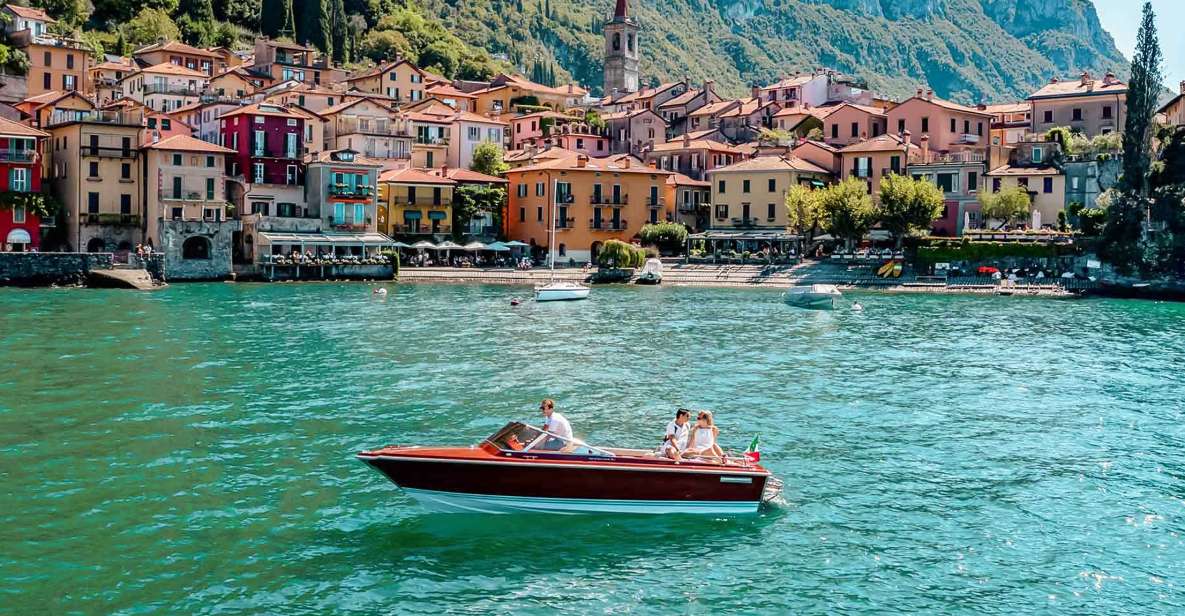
(341, 33)
(1142, 93)
(288, 28)
(272, 15)
(314, 24)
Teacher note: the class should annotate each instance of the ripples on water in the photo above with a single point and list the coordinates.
(189, 451)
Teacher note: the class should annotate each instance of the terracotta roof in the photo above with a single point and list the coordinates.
(790, 82)
(702, 134)
(772, 163)
(114, 66)
(1007, 108)
(469, 116)
(883, 143)
(820, 144)
(264, 109)
(186, 143)
(16, 129)
(555, 115)
(747, 107)
(1009, 170)
(469, 175)
(876, 111)
(678, 144)
(646, 93)
(945, 104)
(176, 46)
(414, 176)
(678, 179)
(445, 89)
(340, 107)
(712, 109)
(527, 84)
(1074, 87)
(30, 13)
(514, 156)
(169, 68)
(620, 115)
(608, 165)
(683, 98)
(381, 69)
(53, 96)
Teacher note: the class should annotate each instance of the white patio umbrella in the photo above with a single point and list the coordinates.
(475, 246)
(448, 245)
(424, 245)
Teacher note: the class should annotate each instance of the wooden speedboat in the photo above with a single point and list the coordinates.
(524, 469)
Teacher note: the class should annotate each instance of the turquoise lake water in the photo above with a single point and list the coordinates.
(190, 451)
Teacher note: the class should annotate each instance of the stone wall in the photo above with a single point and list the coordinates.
(40, 269)
(219, 239)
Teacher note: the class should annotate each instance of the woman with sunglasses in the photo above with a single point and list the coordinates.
(703, 439)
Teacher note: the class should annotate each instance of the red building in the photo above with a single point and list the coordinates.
(268, 141)
(20, 173)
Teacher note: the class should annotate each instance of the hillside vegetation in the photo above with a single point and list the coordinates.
(967, 50)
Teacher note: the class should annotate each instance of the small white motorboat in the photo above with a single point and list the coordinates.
(651, 273)
(814, 296)
(560, 290)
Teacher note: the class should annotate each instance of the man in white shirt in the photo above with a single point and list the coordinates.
(675, 439)
(557, 424)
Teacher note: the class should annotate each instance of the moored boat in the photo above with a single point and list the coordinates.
(561, 291)
(521, 468)
(814, 296)
(651, 273)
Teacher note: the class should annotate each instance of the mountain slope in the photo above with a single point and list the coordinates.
(967, 50)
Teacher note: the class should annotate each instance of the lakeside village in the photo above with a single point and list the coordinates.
(273, 163)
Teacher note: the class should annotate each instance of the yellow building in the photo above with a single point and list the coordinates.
(751, 194)
(399, 80)
(414, 203)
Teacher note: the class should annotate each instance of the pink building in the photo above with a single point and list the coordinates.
(950, 126)
(848, 123)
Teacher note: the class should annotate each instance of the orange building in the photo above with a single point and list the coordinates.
(591, 199)
(55, 63)
(874, 159)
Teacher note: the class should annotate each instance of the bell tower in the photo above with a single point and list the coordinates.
(622, 55)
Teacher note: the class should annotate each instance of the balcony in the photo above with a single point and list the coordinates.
(102, 151)
(348, 224)
(169, 88)
(113, 118)
(276, 153)
(564, 224)
(860, 173)
(967, 139)
(422, 203)
(744, 222)
(688, 207)
(352, 126)
(442, 141)
(26, 37)
(655, 204)
(351, 193)
(188, 196)
(111, 220)
(607, 225)
(608, 201)
(18, 156)
(565, 199)
(959, 158)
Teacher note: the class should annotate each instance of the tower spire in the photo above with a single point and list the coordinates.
(622, 11)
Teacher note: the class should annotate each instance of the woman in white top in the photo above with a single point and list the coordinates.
(702, 440)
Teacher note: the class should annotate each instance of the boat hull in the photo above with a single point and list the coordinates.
(502, 486)
(545, 294)
(457, 502)
(814, 297)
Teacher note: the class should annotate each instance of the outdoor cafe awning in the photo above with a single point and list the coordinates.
(437, 215)
(327, 239)
(746, 234)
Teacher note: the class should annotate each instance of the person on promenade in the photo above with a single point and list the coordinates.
(675, 439)
(702, 439)
(556, 424)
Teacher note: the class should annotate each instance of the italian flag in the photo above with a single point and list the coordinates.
(752, 452)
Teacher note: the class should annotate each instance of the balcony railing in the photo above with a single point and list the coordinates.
(103, 151)
(385, 129)
(744, 222)
(275, 152)
(562, 199)
(18, 156)
(689, 207)
(348, 224)
(432, 140)
(168, 195)
(345, 191)
(168, 88)
(404, 202)
(968, 139)
(563, 224)
(609, 200)
(860, 173)
(115, 220)
(116, 118)
(652, 203)
(607, 225)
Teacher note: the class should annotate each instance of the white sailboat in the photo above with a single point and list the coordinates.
(558, 290)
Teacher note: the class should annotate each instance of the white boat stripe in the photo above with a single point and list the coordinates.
(642, 468)
(485, 503)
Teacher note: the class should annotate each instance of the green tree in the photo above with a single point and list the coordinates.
(384, 45)
(440, 56)
(908, 205)
(150, 25)
(487, 159)
(74, 13)
(803, 214)
(616, 253)
(473, 200)
(1143, 90)
(847, 210)
(275, 18)
(314, 23)
(196, 10)
(1010, 205)
(341, 33)
(670, 237)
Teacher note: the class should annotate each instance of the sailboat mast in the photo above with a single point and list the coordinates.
(551, 236)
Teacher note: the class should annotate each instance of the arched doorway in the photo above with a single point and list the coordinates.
(196, 247)
(594, 250)
(96, 245)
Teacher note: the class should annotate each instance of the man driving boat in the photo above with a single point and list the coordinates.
(556, 424)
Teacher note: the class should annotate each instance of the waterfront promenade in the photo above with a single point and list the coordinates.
(739, 276)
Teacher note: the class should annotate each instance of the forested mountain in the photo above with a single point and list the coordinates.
(967, 50)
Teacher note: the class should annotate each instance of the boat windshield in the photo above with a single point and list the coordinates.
(517, 436)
